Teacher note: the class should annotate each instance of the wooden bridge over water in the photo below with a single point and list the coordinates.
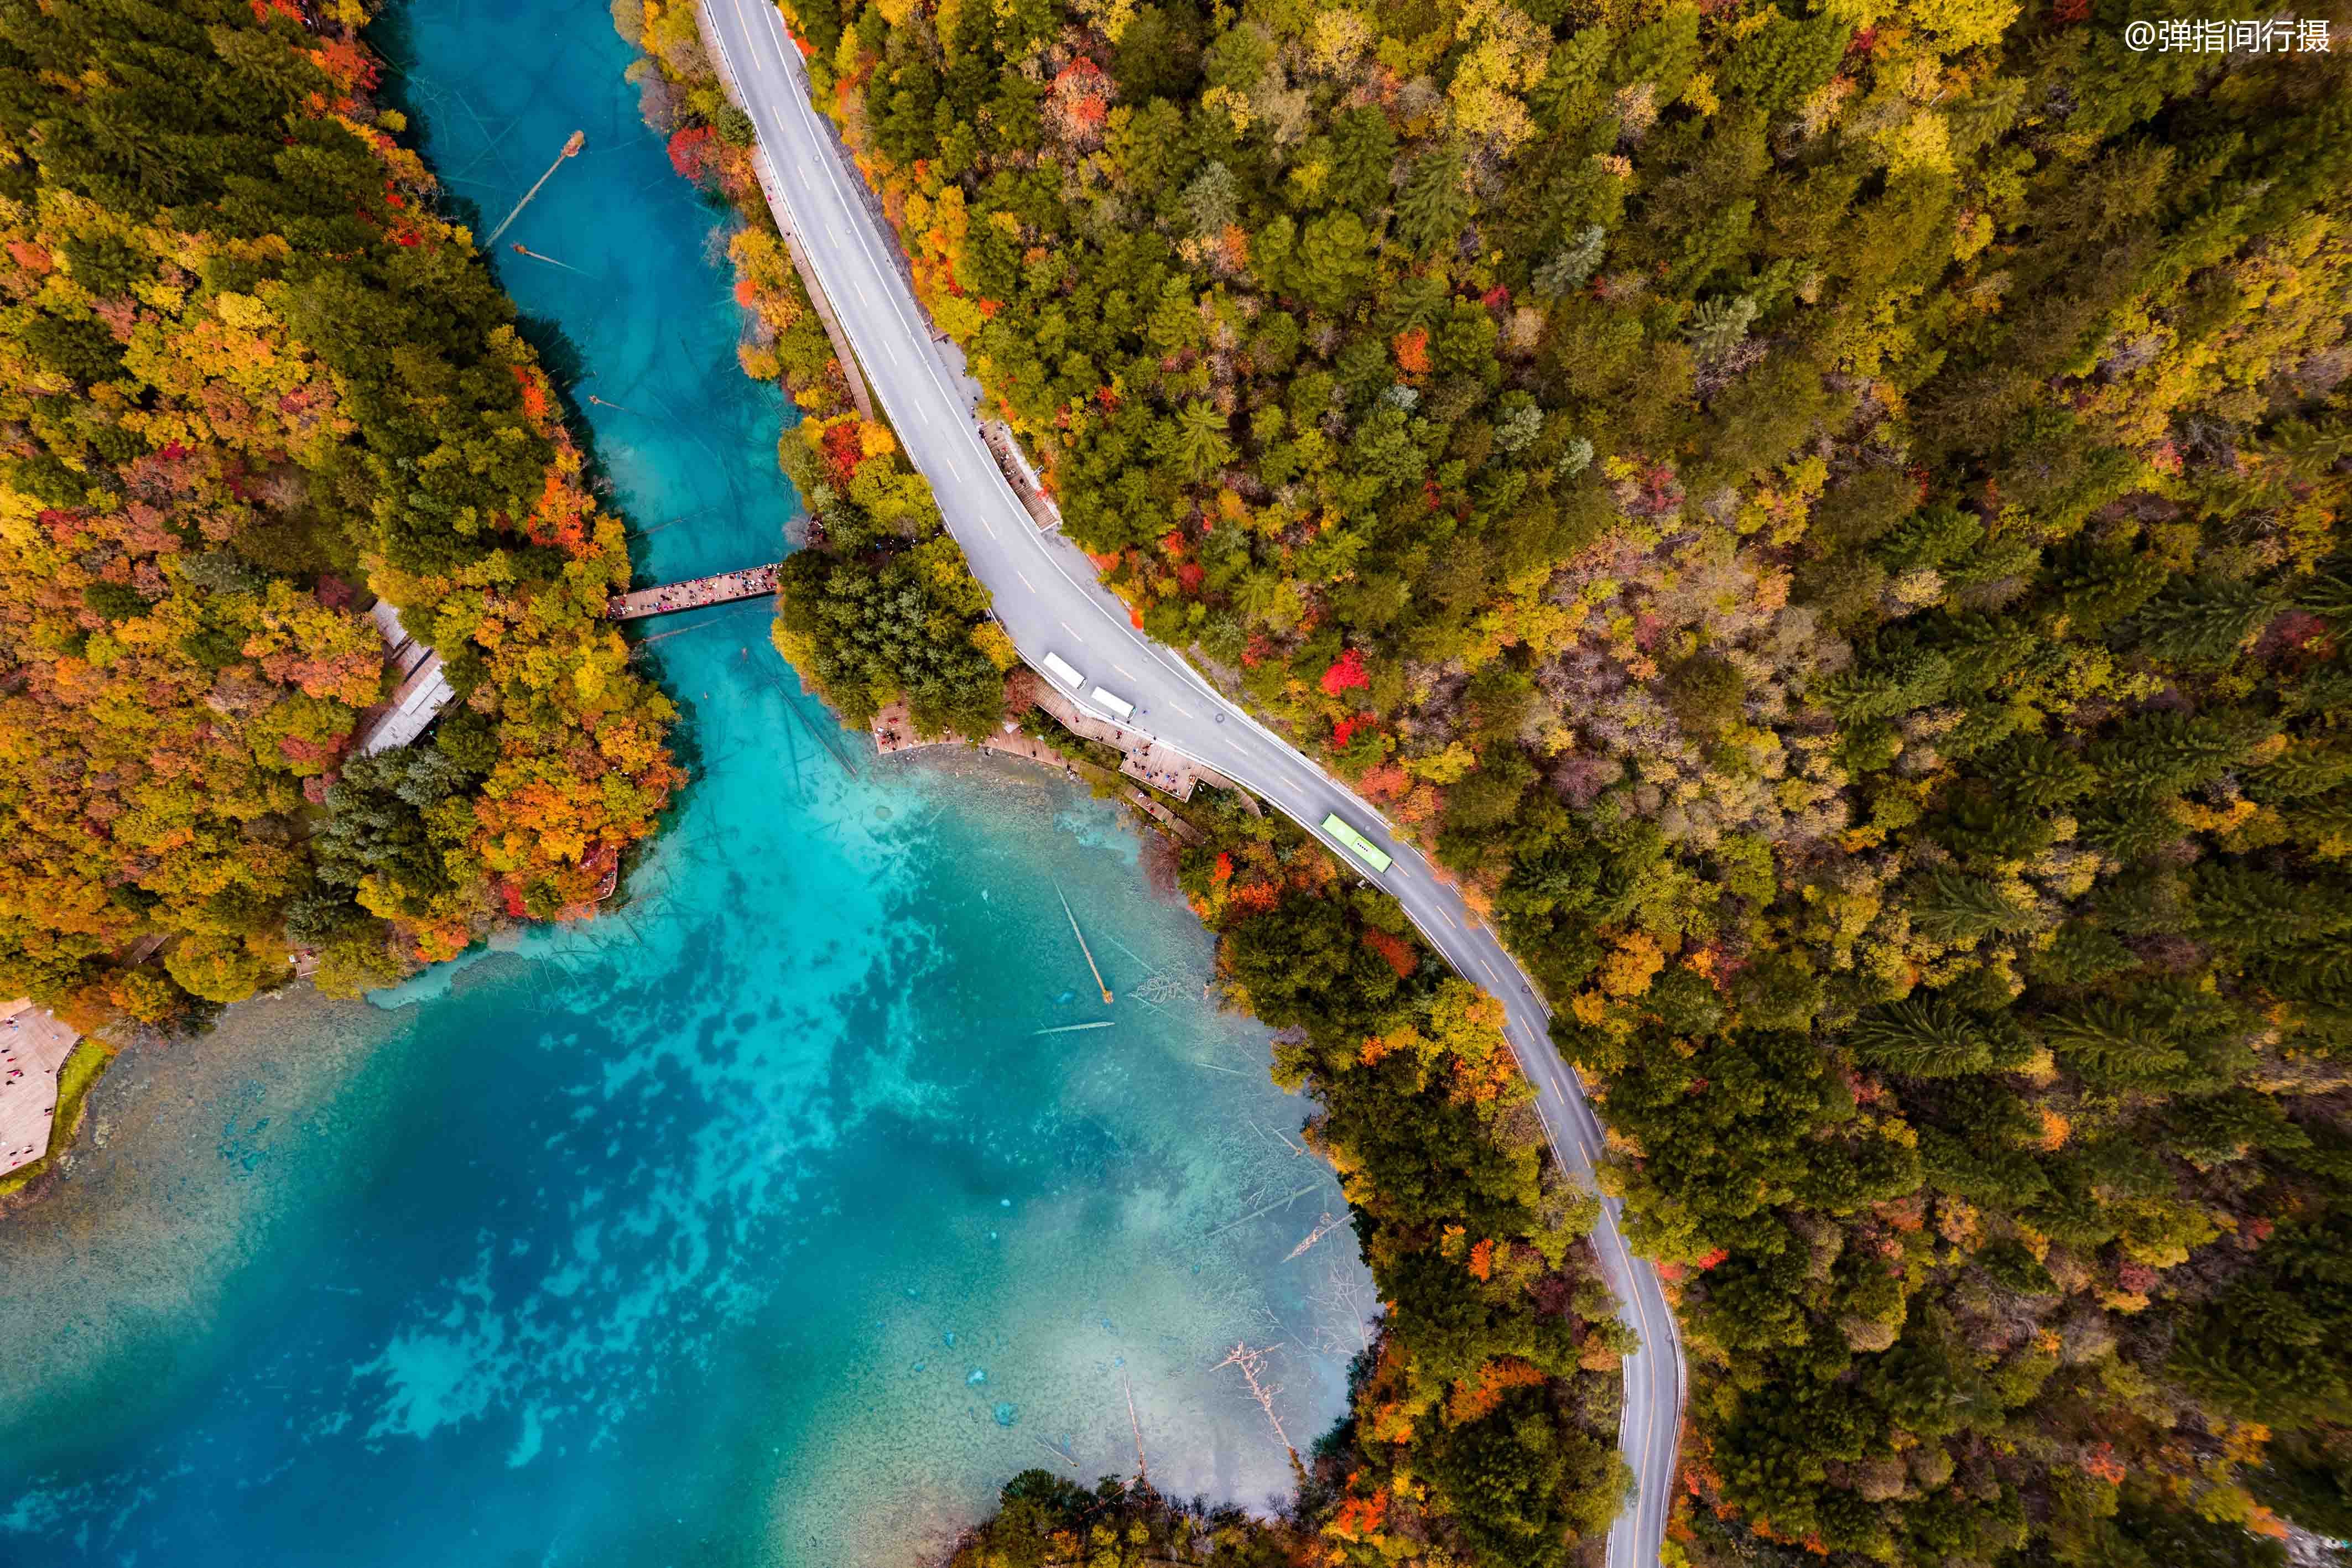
(668, 598)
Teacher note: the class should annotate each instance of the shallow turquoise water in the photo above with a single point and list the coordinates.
(758, 1226)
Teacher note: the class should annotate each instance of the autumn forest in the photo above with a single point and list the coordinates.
(255, 383)
(1827, 523)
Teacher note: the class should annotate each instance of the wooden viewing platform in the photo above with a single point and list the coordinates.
(724, 588)
(33, 1046)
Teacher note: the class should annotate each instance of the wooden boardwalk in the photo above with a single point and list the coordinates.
(724, 588)
(1006, 449)
(419, 693)
(33, 1046)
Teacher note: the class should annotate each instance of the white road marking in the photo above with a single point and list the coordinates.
(1025, 579)
(1123, 670)
(1180, 707)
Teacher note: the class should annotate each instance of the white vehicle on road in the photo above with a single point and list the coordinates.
(1117, 705)
(1059, 668)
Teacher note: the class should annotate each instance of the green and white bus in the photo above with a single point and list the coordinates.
(1362, 847)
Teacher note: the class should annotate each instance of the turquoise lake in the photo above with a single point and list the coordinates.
(761, 1223)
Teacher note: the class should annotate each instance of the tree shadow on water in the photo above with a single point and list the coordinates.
(558, 353)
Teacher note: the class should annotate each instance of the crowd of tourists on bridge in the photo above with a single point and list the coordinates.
(748, 584)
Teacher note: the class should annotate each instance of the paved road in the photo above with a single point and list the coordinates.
(1050, 601)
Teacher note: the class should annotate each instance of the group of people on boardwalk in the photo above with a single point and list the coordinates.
(29, 1058)
(750, 582)
(1148, 764)
(1162, 778)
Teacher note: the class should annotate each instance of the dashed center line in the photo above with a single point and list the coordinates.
(1122, 669)
(1025, 579)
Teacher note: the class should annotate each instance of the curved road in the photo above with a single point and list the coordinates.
(1050, 601)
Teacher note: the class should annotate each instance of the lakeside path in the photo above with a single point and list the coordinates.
(1050, 603)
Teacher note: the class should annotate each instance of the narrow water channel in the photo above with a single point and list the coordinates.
(762, 1224)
